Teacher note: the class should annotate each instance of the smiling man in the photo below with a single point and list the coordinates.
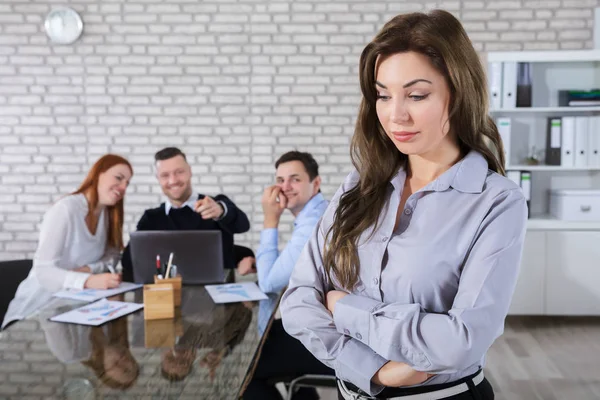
(297, 189)
(186, 209)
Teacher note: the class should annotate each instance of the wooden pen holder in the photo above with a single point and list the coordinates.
(159, 301)
(176, 282)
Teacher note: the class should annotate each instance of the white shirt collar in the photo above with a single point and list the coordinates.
(190, 202)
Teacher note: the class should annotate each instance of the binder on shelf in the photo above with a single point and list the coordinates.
(581, 141)
(594, 141)
(509, 84)
(524, 84)
(553, 141)
(503, 124)
(567, 155)
(495, 84)
(526, 188)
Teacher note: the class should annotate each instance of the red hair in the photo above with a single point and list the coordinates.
(89, 187)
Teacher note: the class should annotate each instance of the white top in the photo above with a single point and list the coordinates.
(190, 202)
(65, 243)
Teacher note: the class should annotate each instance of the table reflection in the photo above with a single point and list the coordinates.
(207, 351)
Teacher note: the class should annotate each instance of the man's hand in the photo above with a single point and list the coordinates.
(272, 208)
(208, 208)
(247, 266)
(396, 374)
(333, 296)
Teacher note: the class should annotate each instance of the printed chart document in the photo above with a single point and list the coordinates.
(234, 292)
(90, 295)
(97, 313)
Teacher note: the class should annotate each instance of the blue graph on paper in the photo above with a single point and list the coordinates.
(86, 292)
(96, 294)
(234, 292)
(99, 307)
(233, 289)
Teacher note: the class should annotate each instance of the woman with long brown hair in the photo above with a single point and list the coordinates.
(81, 235)
(408, 277)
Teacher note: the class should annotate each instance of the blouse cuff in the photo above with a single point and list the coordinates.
(352, 316)
(76, 280)
(358, 364)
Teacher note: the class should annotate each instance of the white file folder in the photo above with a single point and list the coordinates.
(509, 84)
(581, 141)
(495, 84)
(567, 157)
(503, 124)
(594, 141)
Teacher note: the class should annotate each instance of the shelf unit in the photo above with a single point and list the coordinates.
(556, 168)
(553, 110)
(559, 270)
(545, 56)
(547, 222)
(551, 71)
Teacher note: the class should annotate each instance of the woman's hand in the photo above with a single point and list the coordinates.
(396, 374)
(333, 296)
(103, 281)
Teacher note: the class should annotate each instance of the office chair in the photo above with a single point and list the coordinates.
(310, 380)
(13, 273)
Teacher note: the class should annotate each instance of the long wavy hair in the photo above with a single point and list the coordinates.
(440, 37)
(89, 187)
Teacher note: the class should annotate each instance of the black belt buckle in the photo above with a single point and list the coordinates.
(353, 388)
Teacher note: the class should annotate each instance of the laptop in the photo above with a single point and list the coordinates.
(197, 254)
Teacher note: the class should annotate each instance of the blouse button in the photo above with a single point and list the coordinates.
(408, 211)
(358, 336)
(375, 281)
(346, 331)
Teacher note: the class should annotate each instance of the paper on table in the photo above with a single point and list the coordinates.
(96, 294)
(234, 292)
(97, 313)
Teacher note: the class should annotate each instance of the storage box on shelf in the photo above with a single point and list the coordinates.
(559, 273)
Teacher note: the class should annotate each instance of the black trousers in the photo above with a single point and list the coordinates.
(283, 358)
(483, 391)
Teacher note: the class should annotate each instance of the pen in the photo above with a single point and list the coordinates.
(110, 267)
(169, 264)
(158, 270)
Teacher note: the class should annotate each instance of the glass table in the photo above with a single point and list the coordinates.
(208, 351)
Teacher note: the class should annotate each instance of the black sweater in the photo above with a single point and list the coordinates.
(235, 221)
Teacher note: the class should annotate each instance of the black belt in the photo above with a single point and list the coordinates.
(429, 392)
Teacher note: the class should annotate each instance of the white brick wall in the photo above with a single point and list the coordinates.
(233, 84)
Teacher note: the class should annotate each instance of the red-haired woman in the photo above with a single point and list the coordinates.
(81, 234)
